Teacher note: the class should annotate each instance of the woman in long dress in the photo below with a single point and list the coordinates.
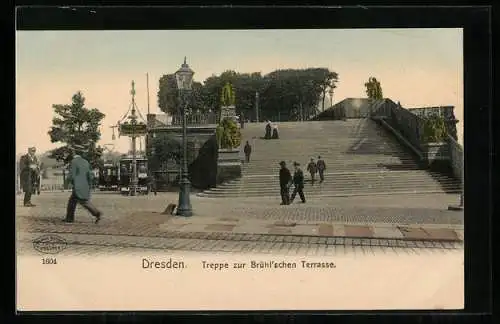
(275, 131)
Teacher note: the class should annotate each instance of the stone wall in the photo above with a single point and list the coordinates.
(202, 154)
(457, 158)
(228, 165)
(351, 108)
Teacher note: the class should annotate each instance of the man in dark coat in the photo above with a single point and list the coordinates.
(80, 175)
(242, 121)
(312, 168)
(285, 179)
(298, 181)
(321, 169)
(247, 150)
(29, 175)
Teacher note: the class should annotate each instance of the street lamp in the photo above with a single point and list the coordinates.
(184, 78)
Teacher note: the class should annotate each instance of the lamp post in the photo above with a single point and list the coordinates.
(184, 78)
(133, 122)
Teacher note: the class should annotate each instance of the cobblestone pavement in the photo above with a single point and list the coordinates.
(85, 244)
(134, 223)
(418, 209)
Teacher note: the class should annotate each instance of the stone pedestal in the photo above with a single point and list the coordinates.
(437, 157)
(228, 165)
(227, 112)
(435, 151)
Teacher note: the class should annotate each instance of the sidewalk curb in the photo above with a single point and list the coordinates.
(323, 230)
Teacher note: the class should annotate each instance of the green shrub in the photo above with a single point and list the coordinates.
(434, 129)
(228, 134)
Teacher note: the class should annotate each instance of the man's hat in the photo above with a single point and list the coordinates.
(282, 163)
(31, 148)
(295, 163)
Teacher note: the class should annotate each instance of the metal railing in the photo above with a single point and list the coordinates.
(407, 123)
(196, 118)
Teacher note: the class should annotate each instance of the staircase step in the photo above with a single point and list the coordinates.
(404, 191)
(361, 157)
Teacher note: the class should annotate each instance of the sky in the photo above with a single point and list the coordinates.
(418, 67)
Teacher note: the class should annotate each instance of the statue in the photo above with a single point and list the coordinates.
(227, 102)
(227, 98)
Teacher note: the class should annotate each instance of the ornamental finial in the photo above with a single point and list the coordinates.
(132, 92)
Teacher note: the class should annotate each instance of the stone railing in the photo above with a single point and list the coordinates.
(409, 126)
(196, 118)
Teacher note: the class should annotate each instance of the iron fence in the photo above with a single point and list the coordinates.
(196, 118)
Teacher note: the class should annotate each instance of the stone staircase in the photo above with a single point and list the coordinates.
(361, 159)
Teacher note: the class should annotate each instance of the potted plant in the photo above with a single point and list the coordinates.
(228, 140)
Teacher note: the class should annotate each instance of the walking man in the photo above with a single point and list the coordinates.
(285, 179)
(80, 176)
(298, 181)
(29, 175)
(312, 168)
(247, 150)
(321, 169)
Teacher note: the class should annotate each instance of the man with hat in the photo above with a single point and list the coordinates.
(285, 179)
(80, 176)
(298, 181)
(29, 175)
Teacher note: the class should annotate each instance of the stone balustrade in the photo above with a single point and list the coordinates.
(410, 126)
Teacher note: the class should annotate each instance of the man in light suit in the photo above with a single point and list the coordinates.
(80, 176)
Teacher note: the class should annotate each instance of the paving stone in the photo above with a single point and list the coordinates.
(358, 231)
(387, 232)
(442, 234)
(219, 227)
(414, 233)
(305, 230)
(325, 230)
(280, 230)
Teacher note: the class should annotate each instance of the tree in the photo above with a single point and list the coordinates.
(374, 89)
(328, 85)
(168, 96)
(283, 93)
(76, 124)
(163, 148)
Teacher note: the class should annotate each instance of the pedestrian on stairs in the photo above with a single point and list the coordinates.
(268, 130)
(247, 150)
(298, 181)
(321, 169)
(275, 132)
(285, 181)
(312, 168)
